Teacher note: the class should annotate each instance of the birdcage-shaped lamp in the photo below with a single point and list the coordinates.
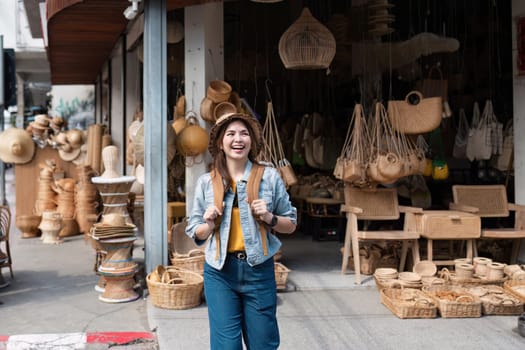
(307, 44)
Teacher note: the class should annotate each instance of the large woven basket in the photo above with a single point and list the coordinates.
(192, 261)
(185, 293)
(408, 303)
(460, 304)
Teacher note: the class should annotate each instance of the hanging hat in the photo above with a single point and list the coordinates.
(68, 153)
(16, 146)
(252, 123)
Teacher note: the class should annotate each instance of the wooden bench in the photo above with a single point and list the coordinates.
(376, 204)
(490, 201)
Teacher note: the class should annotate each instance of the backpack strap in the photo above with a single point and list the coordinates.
(218, 196)
(254, 182)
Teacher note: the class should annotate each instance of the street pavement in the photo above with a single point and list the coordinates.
(53, 293)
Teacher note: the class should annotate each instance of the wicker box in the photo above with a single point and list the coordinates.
(192, 261)
(281, 275)
(448, 224)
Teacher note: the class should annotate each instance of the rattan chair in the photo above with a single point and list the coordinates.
(376, 204)
(5, 224)
(490, 201)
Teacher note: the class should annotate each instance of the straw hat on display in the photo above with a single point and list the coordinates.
(252, 123)
(68, 153)
(16, 146)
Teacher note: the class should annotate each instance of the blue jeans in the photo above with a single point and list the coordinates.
(242, 304)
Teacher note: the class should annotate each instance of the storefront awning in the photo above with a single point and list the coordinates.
(82, 33)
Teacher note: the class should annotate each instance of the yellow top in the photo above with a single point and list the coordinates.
(236, 240)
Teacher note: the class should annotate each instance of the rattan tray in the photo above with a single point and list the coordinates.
(408, 303)
(464, 305)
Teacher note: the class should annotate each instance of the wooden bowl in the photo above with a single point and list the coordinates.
(28, 225)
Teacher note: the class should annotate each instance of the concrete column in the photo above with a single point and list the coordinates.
(155, 122)
(518, 9)
(204, 61)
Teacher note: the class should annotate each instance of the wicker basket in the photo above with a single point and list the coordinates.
(496, 300)
(192, 261)
(307, 44)
(281, 275)
(516, 288)
(408, 303)
(185, 293)
(462, 304)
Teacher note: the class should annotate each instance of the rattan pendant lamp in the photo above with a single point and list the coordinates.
(307, 44)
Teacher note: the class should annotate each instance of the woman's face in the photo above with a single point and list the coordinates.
(236, 142)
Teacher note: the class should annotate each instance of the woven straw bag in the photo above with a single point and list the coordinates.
(351, 163)
(415, 114)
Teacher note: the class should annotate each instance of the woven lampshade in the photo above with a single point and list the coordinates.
(307, 44)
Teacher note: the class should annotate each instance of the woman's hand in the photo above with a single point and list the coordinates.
(211, 213)
(260, 210)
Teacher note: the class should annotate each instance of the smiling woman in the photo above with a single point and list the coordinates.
(236, 207)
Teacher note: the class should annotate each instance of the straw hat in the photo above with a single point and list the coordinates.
(68, 153)
(252, 123)
(16, 146)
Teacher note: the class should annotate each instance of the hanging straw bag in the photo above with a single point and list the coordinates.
(459, 150)
(503, 160)
(484, 137)
(415, 114)
(273, 150)
(386, 162)
(351, 163)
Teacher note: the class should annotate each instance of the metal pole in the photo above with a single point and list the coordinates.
(2, 107)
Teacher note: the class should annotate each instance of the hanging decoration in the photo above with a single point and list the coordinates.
(379, 18)
(307, 44)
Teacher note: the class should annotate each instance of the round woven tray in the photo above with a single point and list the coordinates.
(185, 294)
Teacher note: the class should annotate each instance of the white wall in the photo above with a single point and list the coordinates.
(66, 95)
(15, 28)
(518, 9)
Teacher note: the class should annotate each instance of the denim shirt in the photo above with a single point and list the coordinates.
(271, 189)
